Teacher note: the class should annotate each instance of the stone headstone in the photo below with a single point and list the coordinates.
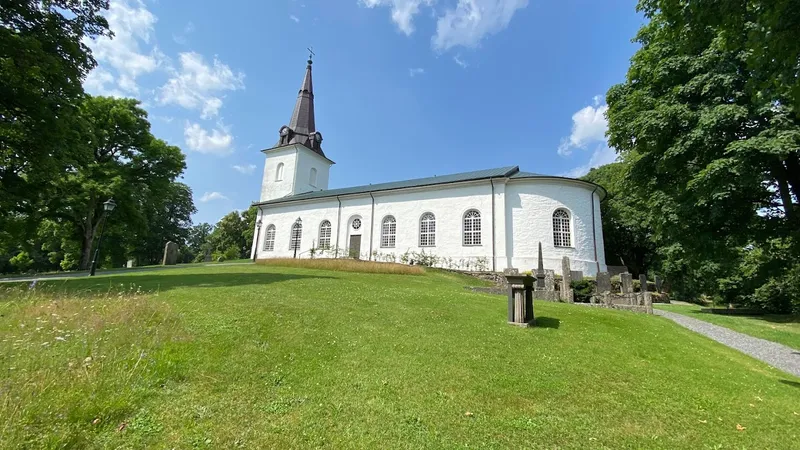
(170, 254)
(566, 280)
(576, 275)
(658, 284)
(643, 283)
(603, 282)
(207, 257)
(627, 282)
(131, 263)
(540, 267)
(549, 280)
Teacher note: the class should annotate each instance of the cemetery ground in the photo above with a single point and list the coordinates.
(266, 356)
(781, 328)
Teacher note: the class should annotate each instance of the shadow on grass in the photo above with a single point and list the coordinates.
(547, 322)
(790, 383)
(164, 281)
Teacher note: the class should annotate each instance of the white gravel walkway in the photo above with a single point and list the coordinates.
(776, 355)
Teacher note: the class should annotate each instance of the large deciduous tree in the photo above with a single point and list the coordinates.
(716, 152)
(127, 163)
(43, 61)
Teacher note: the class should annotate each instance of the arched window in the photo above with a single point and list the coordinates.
(388, 231)
(561, 229)
(472, 227)
(269, 239)
(427, 230)
(279, 172)
(297, 234)
(325, 234)
(312, 179)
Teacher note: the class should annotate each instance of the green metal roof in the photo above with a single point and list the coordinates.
(500, 172)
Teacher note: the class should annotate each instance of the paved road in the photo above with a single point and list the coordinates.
(65, 276)
(776, 355)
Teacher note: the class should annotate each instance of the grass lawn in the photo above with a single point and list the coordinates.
(264, 356)
(784, 329)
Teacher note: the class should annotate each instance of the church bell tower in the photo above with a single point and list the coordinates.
(296, 163)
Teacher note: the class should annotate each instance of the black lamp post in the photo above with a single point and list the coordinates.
(296, 237)
(258, 234)
(108, 206)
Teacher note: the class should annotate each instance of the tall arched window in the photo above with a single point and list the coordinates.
(561, 229)
(427, 230)
(472, 227)
(388, 231)
(312, 178)
(269, 239)
(297, 234)
(279, 172)
(325, 234)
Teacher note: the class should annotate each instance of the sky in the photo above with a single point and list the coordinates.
(403, 88)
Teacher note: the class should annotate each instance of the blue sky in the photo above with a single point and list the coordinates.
(404, 88)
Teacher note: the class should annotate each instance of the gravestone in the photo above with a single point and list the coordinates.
(207, 257)
(131, 263)
(566, 280)
(658, 284)
(549, 280)
(626, 280)
(540, 282)
(170, 254)
(576, 275)
(603, 282)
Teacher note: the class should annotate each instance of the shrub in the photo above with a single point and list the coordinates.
(583, 289)
(21, 262)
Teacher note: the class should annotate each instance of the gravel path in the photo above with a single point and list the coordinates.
(776, 355)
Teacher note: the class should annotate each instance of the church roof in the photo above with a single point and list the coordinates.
(512, 172)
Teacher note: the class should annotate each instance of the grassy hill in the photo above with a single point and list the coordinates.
(262, 356)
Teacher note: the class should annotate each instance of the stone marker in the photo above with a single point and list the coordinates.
(540, 282)
(131, 263)
(566, 279)
(170, 254)
(549, 280)
(510, 271)
(643, 283)
(627, 282)
(576, 275)
(603, 282)
(207, 257)
(658, 284)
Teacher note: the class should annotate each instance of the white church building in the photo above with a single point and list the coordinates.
(483, 220)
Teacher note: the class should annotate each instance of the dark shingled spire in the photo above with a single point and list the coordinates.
(302, 128)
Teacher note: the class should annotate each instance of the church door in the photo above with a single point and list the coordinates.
(355, 246)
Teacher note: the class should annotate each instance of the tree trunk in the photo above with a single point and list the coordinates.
(793, 173)
(780, 173)
(89, 229)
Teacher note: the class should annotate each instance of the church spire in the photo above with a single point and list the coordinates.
(302, 128)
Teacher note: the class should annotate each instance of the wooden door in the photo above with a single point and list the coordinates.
(355, 246)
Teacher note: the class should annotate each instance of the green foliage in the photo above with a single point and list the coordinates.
(583, 289)
(21, 262)
(711, 153)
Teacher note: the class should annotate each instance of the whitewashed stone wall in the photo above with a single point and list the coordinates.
(522, 218)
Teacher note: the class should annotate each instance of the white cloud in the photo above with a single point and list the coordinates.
(471, 20)
(195, 84)
(101, 82)
(464, 25)
(601, 156)
(217, 142)
(589, 125)
(403, 11)
(460, 62)
(295, 18)
(183, 38)
(131, 23)
(209, 196)
(415, 71)
(247, 170)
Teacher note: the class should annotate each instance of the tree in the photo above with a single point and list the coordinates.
(626, 233)
(229, 234)
(249, 217)
(716, 157)
(43, 61)
(130, 165)
(198, 242)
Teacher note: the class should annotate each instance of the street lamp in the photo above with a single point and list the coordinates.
(258, 234)
(108, 207)
(296, 230)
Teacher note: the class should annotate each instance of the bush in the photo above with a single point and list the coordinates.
(583, 289)
(22, 262)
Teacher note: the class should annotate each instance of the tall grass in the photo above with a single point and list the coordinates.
(345, 265)
(74, 365)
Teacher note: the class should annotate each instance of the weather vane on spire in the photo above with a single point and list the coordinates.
(311, 53)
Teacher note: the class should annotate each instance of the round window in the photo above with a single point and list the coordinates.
(356, 224)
